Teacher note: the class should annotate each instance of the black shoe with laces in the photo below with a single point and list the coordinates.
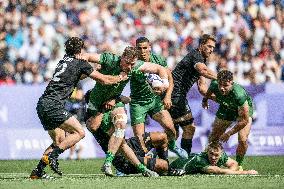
(54, 165)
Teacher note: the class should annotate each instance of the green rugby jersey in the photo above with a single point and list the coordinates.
(196, 163)
(110, 65)
(230, 102)
(141, 91)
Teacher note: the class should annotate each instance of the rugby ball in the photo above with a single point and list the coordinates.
(154, 80)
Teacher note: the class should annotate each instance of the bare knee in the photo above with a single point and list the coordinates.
(188, 131)
(81, 133)
(243, 143)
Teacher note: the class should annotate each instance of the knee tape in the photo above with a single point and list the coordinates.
(119, 133)
(119, 118)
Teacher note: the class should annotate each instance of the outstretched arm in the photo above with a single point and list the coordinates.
(89, 57)
(218, 170)
(205, 71)
(108, 79)
(167, 99)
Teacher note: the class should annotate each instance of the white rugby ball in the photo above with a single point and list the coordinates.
(154, 80)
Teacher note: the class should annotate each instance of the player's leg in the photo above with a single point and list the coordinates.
(57, 135)
(182, 117)
(242, 145)
(94, 122)
(119, 120)
(158, 165)
(138, 115)
(219, 127)
(159, 141)
(164, 118)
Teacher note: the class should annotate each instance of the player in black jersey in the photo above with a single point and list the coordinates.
(190, 69)
(50, 107)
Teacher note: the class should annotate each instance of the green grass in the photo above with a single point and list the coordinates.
(86, 174)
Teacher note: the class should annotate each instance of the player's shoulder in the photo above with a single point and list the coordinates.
(158, 58)
(238, 90)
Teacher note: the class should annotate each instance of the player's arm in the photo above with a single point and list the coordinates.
(89, 57)
(232, 164)
(202, 86)
(242, 121)
(225, 171)
(149, 67)
(205, 71)
(167, 99)
(108, 79)
(207, 95)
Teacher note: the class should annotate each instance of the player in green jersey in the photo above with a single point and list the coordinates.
(102, 97)
(146, 101)
(235, 106)
(213, 161)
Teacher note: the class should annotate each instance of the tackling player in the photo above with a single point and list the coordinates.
(50, 107)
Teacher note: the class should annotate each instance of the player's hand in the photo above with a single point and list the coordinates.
(225, 137)
(159, 90)
(123, 76)
(252, 172)
(205, 104)
(109, 104)
(167, 102)
(125, 99)
(83, 56)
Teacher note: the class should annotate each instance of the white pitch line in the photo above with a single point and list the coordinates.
(100, 174)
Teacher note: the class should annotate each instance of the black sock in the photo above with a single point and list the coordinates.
(186, 144)
(163, 154)
(56, 151)
(41, 165)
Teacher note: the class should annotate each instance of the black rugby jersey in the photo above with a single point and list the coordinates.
(184, 74)
(66, 76)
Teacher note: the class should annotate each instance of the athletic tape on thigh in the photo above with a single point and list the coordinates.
(121, 118)
(119, 133)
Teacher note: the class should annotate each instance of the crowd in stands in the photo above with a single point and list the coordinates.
(249, 33)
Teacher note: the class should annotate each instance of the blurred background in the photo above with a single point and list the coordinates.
(250, 43)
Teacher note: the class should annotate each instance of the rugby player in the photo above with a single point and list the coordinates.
(235, 106)
(190, 69)
(145, 101)
(50, 107)
(104, 98)
(213, 161)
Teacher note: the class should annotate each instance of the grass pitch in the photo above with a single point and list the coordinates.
(86, 174)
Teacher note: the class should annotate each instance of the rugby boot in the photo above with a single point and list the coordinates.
(54, 165)
(106, 169)
(37, 174)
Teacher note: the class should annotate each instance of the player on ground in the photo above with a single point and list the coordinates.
(103, 98)
(212, 161)
(190, 69)
(235, 106)
(50, 107)
(144, 101)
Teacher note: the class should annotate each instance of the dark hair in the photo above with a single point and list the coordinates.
(206, 37)
(73, 45)
(130, 53)
(215, 145)
(142, 40)
(225, 75)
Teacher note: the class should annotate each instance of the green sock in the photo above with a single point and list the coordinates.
(109, 157)
(239, 159)
(141, 168)
(172, 144)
